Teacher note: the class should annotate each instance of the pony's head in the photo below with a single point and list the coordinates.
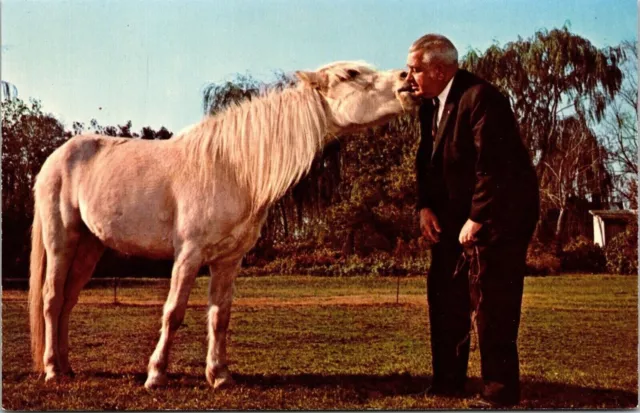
(357, 96)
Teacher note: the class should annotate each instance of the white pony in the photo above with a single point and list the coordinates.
(199, 198)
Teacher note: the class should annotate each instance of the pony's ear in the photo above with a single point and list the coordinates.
(317, 80)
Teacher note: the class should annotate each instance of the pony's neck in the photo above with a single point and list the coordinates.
(266, 145)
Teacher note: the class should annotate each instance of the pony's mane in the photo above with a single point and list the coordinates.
(266, 144)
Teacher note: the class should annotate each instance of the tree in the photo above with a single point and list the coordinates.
(148, 133)
(620, 129)
(548, 78)
(216, 97)
(575, 167)
(28, 138)
(546, 75)
(375, 204)
(123, 131)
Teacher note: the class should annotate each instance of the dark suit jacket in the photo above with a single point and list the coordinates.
(478, 166)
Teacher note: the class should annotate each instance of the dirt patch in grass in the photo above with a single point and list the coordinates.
(341, 300)
(350, 300)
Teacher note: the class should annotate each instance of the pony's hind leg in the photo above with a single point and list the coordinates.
(87, 255)
(185, 268)
(60, 244)
(220, 297)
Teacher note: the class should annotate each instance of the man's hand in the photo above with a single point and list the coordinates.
(468, 232)
(429, 225)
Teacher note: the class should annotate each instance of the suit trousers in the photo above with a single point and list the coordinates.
(482, 284)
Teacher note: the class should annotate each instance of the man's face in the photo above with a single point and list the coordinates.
(426, 79)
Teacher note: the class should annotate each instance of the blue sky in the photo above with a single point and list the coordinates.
(148, 61)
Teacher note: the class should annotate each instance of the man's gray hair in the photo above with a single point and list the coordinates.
(436, 47)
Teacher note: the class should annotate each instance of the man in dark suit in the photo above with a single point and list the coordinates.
(478, 203)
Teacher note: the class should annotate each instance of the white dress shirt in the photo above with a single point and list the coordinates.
(442, 97)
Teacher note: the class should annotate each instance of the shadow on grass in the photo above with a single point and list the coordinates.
(542, 393)
(535, 393)
(388, 385)
(393, 384)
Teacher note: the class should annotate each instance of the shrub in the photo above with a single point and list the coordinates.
(622, 252)
(327, 262)
(541, 260)
(581, 254)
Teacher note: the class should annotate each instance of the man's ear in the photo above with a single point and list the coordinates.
(316, 80)
(440, 72)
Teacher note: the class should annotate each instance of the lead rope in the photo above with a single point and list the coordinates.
(471, 257)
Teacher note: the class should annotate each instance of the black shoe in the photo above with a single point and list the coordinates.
(500, 395)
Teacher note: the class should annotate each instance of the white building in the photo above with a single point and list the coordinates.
(608, 223)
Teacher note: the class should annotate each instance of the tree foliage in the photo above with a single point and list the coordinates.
(575, 169)
(123, 131)
(620, 129)
(28, 137)
(622, 251)
(547, 76)
(559, 85)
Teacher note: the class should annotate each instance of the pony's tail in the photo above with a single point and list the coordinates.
(38, 266)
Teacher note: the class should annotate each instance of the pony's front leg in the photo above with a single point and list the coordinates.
(220, 297)
(184, 272)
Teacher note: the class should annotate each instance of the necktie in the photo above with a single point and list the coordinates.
(434, 121)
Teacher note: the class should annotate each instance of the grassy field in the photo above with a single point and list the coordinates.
(327, 343)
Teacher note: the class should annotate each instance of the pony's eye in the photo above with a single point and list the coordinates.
(352, 73)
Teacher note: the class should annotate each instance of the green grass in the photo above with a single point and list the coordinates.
(327, 343)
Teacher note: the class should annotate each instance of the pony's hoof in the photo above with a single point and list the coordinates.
(219, 377)
(223, 382)
(51, 377)
(155, 381)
